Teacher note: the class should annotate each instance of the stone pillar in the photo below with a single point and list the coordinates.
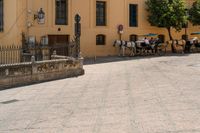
(34, 69)
(81, 59)
(45, 53)
(33, 59)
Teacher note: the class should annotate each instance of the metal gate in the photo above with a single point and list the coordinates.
(59, 43)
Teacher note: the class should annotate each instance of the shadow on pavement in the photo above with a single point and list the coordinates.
(109, 59)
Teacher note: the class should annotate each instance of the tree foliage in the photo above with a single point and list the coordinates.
(194, 13)
(167, 13)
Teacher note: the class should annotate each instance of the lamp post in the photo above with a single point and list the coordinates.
(77, 34)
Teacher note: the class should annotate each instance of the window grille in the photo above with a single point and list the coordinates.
(133, 15)
(100, 39)
(100, 13)
(61, 12)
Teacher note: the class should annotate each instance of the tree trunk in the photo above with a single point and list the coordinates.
(171, 38)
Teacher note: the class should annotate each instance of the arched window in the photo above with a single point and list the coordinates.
(162, 38)
(100, 39)
(133, 37)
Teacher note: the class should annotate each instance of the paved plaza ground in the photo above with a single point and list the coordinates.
(116, 95)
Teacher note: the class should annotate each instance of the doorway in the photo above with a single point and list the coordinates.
(60, 43)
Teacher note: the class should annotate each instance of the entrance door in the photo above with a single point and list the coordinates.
(59, 43)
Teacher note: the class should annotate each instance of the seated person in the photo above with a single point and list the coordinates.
(146, 41)
(188, 46)
(158, 43)
(148, 45)
(193, 40)
(196, 43)
(151, 41)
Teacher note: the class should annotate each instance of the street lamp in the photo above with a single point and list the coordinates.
(77, 18)
(37, 15)
(40, 16)
(77, 29)
(77, 25)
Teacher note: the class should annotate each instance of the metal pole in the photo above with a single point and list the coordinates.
(120, 36)
(77, 34)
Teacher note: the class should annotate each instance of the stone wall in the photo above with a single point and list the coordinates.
(34, 72)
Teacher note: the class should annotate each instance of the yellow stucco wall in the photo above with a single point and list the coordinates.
(19, 12)
(14, 22)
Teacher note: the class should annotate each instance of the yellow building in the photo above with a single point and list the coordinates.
(99, 18)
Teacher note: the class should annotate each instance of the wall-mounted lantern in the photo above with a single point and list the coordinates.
(40, 16)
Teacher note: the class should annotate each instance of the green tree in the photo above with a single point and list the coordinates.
(194, 13)
(167, 13)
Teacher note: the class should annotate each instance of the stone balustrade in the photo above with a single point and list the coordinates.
(39, 71)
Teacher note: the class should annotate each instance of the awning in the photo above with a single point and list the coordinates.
(151, 34)
(195, 33)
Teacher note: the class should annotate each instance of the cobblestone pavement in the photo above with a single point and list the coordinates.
(116, 95)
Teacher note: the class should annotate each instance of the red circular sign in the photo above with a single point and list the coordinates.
(120, 27)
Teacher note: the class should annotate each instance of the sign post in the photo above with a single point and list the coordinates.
(120, 31)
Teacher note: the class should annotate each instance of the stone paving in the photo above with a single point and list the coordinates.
(116, 95)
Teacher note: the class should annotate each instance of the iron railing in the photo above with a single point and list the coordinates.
(16, 54)
(10, 54)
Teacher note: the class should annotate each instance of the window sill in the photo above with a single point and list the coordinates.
(100, 44)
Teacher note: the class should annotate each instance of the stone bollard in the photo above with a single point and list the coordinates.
(32, 59)
(53, 56)
(34, 68)
(54, 52)
(81, 59)
(7, 72)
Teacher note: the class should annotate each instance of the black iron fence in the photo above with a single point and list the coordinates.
(16, 54)
(10, 54)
